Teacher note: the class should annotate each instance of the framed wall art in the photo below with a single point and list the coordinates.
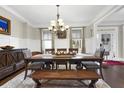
(5, 26)
(61, 34)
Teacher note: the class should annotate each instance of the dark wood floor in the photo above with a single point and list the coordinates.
(3, 81)
(113, 75)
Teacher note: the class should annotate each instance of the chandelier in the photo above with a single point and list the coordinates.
(57, 26)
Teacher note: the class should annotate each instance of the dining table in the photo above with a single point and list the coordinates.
(79, 57)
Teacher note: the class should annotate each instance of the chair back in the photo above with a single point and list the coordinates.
(61, 51)
(100, 53)
(27, 53)
(73, 50)
(50, 51)
(36, 52)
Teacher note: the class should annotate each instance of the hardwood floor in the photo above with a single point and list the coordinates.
(113, 75)
(10, 77)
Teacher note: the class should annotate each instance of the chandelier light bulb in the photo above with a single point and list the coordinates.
(50, 28)
(53, 23)
(55, 30)
(60, 20)
(67, 27)
(62, 29)
(61, 24)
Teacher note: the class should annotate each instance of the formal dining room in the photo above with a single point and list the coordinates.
(61, 46)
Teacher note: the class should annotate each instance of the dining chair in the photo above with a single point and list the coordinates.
(72, 51)
(90, 65)
(36, 52)
(50, 51)
(32, 65)
(61, 51)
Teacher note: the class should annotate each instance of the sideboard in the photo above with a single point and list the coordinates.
(11, 61)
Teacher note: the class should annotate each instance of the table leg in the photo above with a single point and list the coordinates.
(92, 84)
(78, 67)
(26, 71)
(37, 82)
(101, 71)
(48, 65)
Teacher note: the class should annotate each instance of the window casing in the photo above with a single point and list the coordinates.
(46, 40)
(76, 38)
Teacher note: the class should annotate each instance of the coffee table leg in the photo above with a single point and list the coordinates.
(91, 85)
(37, 82)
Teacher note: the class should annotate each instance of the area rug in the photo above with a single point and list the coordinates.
(18, 82)
(112, 62)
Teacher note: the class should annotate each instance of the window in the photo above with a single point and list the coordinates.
(46, 39)
(76, 38)
(76, 34)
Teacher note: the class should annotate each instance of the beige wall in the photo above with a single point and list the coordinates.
(22, 34)
(123, 39)
(120, 41)
(89, 39)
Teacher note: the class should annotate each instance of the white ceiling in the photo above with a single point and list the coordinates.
(115, 18)
(73, 15)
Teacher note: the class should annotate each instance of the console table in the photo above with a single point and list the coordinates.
(11, 61)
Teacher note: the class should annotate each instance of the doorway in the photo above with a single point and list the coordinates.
(108, 37)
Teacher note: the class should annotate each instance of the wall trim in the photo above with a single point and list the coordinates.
(16, 14)
(107, 11)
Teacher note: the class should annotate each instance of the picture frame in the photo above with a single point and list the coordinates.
(5, 26)
(61, 34)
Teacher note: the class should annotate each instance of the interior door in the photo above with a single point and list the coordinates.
(109, 39)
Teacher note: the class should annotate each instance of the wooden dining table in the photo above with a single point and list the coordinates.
(46, 57)
(66, 58)
(77, 74)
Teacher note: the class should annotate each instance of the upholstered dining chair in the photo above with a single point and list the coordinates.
(72, 51)
(50, 51)
(32, 65)
(89, 65)
(61, 51)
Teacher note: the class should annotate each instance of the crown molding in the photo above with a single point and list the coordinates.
(105, 13)
(16, 14)
(112, 22)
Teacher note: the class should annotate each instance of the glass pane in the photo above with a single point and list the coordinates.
(76, 34)
(76, 43)
(47, 44)
(47, 35)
